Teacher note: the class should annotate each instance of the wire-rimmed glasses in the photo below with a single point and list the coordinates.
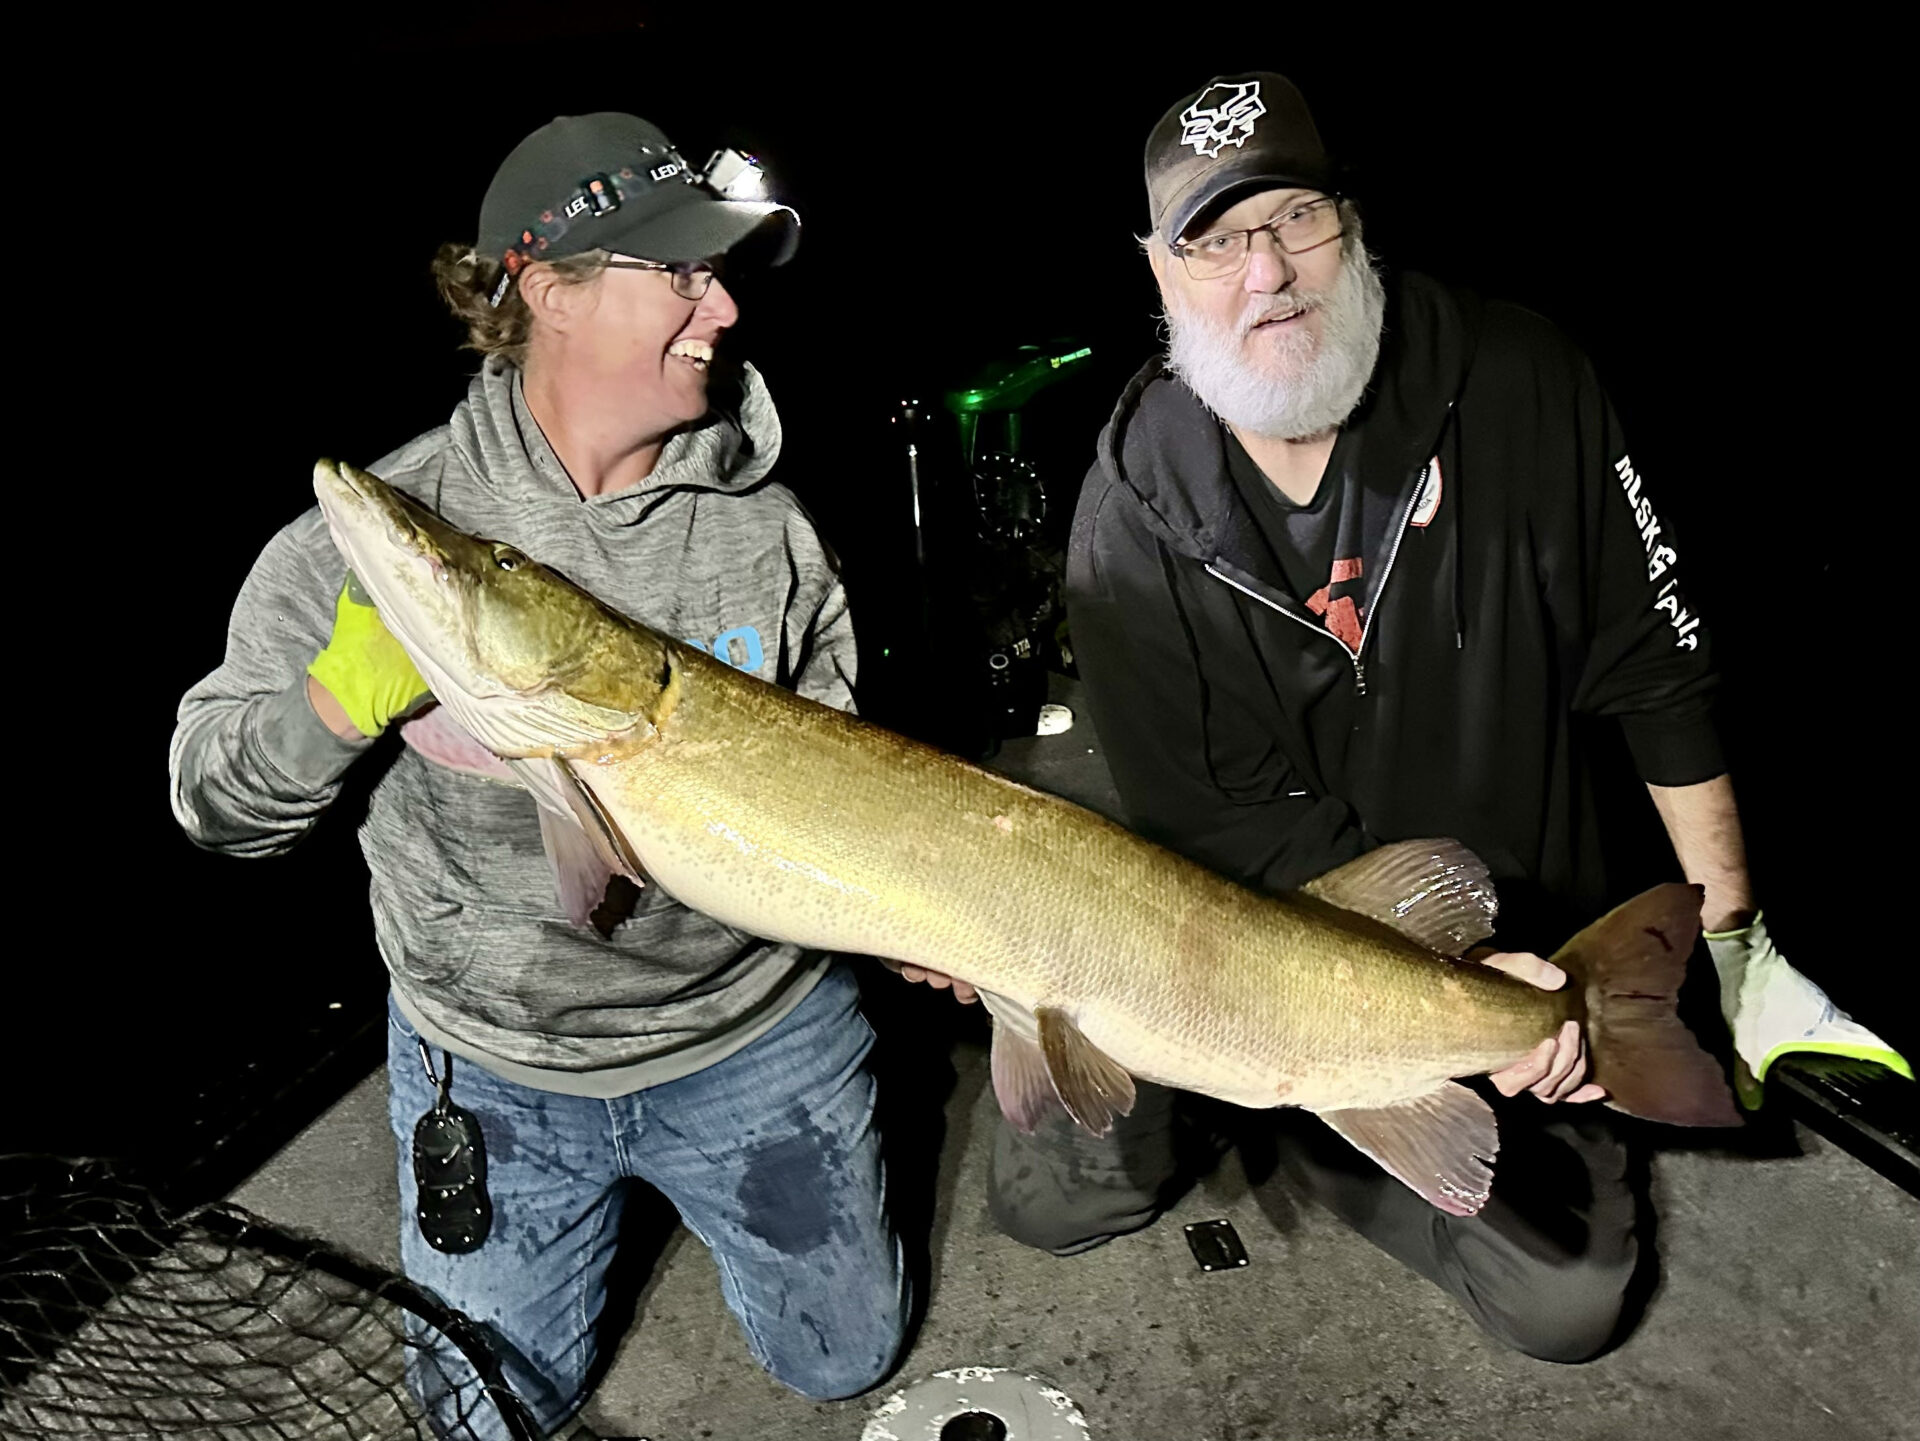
(1305, 225)
(690, 279)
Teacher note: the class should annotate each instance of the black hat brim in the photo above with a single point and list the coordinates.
(699, 228)
(1227, 185)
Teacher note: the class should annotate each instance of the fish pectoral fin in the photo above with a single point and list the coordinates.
(1441, 1144)
(1434, 892)
(1091, 1084)
(581, 878)
(584, 848)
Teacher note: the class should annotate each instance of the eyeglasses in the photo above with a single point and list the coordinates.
(690, 279)
(1301, 227)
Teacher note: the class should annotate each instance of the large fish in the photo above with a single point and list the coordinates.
(1102, 956)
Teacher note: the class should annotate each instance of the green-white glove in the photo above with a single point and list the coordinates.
(364, 667)
(1773, 1010)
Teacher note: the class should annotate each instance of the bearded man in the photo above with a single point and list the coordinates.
(1357, 563)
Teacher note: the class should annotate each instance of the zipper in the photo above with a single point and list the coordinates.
(1366, 627)
(1277, 608)
(1393, 554)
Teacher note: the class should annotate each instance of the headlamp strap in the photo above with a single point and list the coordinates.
(603, 193)
(595, 195)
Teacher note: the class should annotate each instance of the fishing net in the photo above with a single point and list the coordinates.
(120, 1319)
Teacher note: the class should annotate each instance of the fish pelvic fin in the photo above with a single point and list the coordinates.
(1628, 965)
(1441, 1144)
(1090, 1084)
(1434, 892)
(1042, 1061)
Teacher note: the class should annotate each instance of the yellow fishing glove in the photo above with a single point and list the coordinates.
(364, 667)
(1773, 1011)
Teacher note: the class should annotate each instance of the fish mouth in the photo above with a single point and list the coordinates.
(362, 510)
(391, 550)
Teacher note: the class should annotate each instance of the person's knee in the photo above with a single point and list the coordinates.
(1570, 1315)
(841, 1368)
(1064, 1223)
(1015, 1217)
(1061, 1204)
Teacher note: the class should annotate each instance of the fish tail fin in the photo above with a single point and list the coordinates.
(1629, 965)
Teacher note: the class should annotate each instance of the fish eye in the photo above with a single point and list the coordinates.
(507, 558)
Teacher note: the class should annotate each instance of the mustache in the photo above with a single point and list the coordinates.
(1270, 307)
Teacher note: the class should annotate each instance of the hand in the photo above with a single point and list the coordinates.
(1773, 1010)
(1554, 1069)
(965, 994)
(363, 677)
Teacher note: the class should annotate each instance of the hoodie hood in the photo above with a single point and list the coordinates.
(730, 449)
(1168, 451)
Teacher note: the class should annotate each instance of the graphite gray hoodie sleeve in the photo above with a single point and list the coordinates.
(817, 626)
(252, 766)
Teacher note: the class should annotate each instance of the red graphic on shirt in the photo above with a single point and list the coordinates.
(1341, 617)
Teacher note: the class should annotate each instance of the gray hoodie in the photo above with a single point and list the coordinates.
(482, 959)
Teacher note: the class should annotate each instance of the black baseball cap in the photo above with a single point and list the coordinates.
(1234, 135)
(614, 182)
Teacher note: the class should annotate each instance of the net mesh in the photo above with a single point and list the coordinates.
(120, 1319)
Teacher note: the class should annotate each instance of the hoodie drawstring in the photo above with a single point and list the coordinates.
(1459, 579)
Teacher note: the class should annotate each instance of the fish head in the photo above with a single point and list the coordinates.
(529, 664)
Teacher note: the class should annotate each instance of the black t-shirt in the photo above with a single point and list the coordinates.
(1304, 540)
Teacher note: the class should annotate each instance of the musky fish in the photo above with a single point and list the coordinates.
(1101, 956)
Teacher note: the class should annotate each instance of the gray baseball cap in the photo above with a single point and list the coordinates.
(614, 182)
(1235, 135)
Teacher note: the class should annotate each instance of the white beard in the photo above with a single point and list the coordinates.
(1297, 389)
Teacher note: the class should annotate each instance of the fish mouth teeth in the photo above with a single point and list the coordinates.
(697, 353)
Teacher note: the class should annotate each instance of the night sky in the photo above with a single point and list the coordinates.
(239, 284)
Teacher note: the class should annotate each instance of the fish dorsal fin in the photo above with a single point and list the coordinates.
(1434, 892)
(1020, 1080)
(1091, 1084)
(584, 849)
(1440, 1144)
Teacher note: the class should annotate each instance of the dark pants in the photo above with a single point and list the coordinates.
(1544, 1268)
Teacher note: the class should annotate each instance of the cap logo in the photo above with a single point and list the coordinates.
(1228, 121)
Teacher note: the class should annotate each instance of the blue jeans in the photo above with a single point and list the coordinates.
(772, 1159)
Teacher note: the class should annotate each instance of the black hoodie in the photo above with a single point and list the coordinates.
(1516, 579)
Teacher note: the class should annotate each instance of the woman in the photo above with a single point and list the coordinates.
(606, 437)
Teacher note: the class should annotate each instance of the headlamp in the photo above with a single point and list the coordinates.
(729, 174)
(734, 175)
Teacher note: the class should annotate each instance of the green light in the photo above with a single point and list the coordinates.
(1060, 360)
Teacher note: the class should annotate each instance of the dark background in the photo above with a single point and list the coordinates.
(245, 288)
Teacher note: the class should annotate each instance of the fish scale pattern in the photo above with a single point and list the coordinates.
(795, 821)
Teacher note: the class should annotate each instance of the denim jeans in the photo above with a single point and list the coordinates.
(771, 1158)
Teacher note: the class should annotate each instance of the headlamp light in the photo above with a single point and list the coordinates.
(734, 175)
